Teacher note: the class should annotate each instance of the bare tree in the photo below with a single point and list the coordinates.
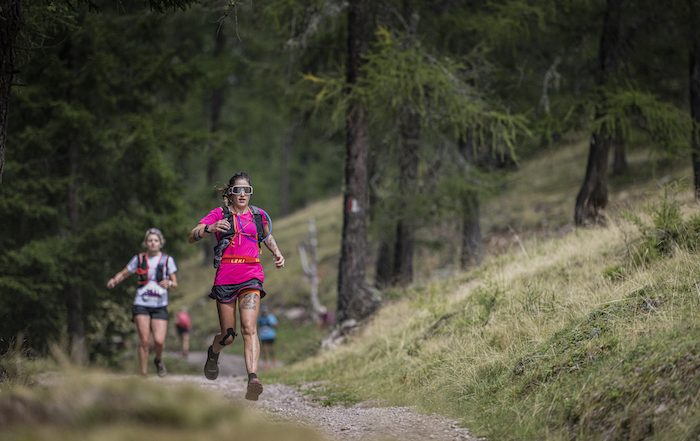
(308, 253)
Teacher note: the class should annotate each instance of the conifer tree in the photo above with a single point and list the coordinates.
(593, 195)
(355, 298)
(91, 169)
(12, 23)
(11, 20)
(694, 83)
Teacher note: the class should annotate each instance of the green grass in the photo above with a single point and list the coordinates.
(530, 205)
(538, 347)
(560, 334)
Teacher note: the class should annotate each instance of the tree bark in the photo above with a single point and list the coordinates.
(472, 243)
(355, 298)
(620, 166)
(384, 263)
(409, 127)
(695, 92)
(10, 23)
(593, 195)
(384, 267)
(73, 293)
(214, 147)
(472, 248)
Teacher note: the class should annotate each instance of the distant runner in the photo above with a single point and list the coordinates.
(267, 329)
(155, 275)
(240, 229)
(183, 326)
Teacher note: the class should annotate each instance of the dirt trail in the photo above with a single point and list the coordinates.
(364, 421)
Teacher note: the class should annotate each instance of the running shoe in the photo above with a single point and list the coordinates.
(211, 367)
(160, 367)
(254, 390)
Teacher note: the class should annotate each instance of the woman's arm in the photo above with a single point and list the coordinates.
(201, 230)
(170, 282)
(271, 245)
(118, 278)
(198, 233)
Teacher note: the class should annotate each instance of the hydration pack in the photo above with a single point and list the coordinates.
(142, 268)
(225, 238)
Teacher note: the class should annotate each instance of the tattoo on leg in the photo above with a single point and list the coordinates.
(249, 301)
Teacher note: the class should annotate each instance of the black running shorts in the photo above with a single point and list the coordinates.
(229, 293)
(160, 313)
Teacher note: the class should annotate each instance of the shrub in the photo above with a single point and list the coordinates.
(665, 231)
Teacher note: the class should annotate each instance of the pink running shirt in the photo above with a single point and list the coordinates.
(245, 244)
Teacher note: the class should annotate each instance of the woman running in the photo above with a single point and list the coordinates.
(155, 274)
(240, 228)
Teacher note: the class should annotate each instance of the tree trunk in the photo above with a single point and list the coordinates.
(472, 244)
(472, 248)
(214, 157)
(593, 195)
(620, 166)
(385, 264)
(10, 23)
(355, 299)
(408, 176)
(695, 92)
(73, 293)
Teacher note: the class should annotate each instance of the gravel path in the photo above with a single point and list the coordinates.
(364, 421)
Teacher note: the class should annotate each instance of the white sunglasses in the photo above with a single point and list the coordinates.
(240, 189)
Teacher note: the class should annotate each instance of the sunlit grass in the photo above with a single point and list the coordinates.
(540, 344)
(559, 335)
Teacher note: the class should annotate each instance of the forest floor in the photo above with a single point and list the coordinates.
(362, 421)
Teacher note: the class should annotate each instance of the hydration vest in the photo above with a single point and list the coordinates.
(225, 238)
(142, 268)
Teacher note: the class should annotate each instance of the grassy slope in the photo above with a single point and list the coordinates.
(537, 343)
(543, 342)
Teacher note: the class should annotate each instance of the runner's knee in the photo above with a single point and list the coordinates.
(159, 343)
(228, 338)
(248, 329)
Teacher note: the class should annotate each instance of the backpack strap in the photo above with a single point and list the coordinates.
(229, 217)
(257, 216)
(165, 266)
(141, 269)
